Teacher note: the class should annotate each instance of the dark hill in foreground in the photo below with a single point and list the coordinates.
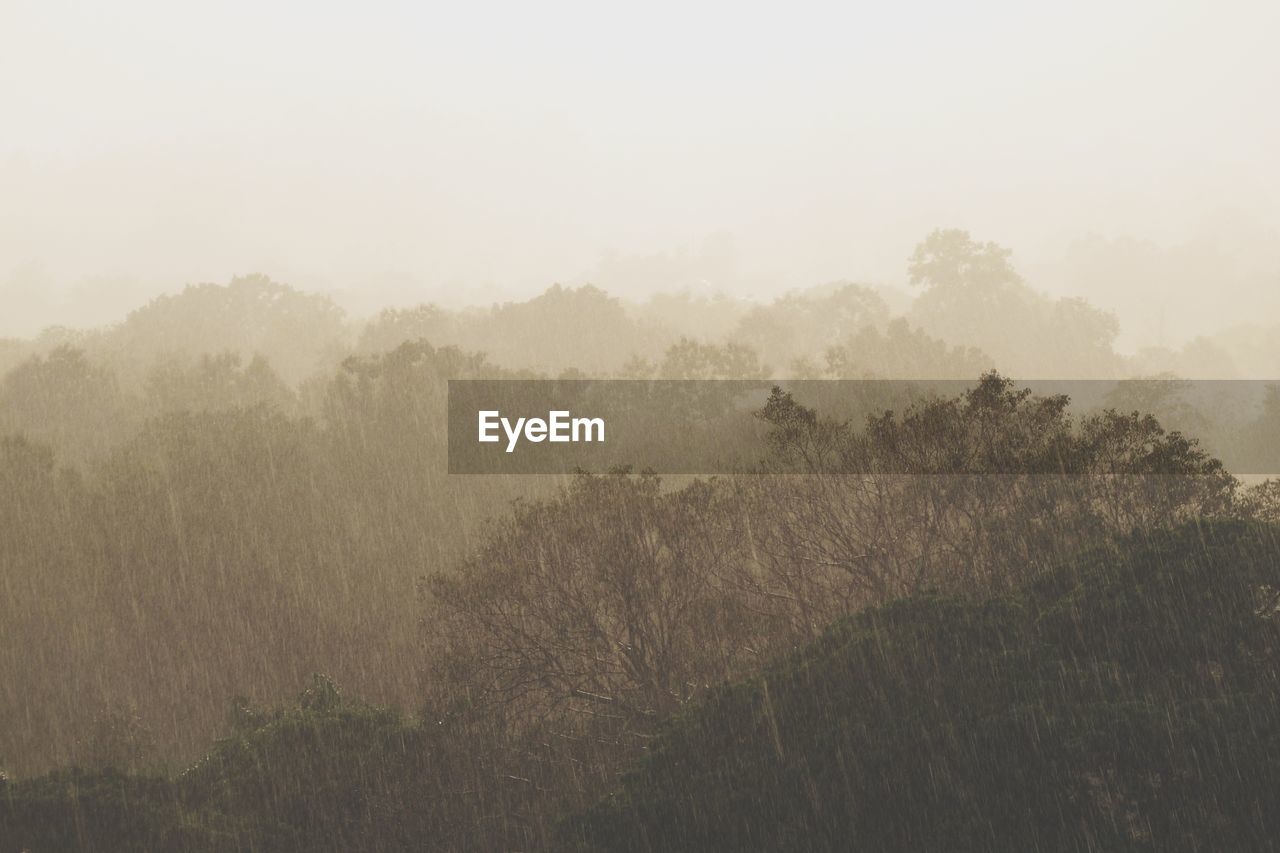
(1126, 702)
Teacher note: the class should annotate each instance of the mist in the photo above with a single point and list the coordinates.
(939, 350)
(402, 154)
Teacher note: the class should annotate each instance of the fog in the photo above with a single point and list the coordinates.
(402, 153)
(257, 592)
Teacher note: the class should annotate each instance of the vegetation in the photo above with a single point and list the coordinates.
(977, 617)
(1122, 702)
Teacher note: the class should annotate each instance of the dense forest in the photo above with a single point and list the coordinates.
(243, 605)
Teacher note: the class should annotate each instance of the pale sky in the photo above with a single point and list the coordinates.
(392, 153)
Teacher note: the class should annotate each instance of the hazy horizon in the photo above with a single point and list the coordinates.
(467, 156)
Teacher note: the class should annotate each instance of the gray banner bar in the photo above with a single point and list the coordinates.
(715, 426)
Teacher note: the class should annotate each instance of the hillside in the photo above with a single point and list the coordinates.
(1126, 701)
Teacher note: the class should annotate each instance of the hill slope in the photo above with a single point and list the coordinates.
(1126, 702)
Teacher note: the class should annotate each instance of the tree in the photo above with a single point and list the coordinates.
(957, 493)
(217, 382)
(612, 598)
(902, 352)
(67, 401)
(1123, 702)
(396, 326)
(972, 295)
(951, 262)
(690, 359)
(804, 324)
(298, 333)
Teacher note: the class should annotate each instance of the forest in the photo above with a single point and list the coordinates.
(245, 607)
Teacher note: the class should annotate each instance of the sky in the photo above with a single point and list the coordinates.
(393, 153)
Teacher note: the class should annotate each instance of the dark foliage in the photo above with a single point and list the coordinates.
(1125, 701)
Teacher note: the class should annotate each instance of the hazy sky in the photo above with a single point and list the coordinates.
(463, 152)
